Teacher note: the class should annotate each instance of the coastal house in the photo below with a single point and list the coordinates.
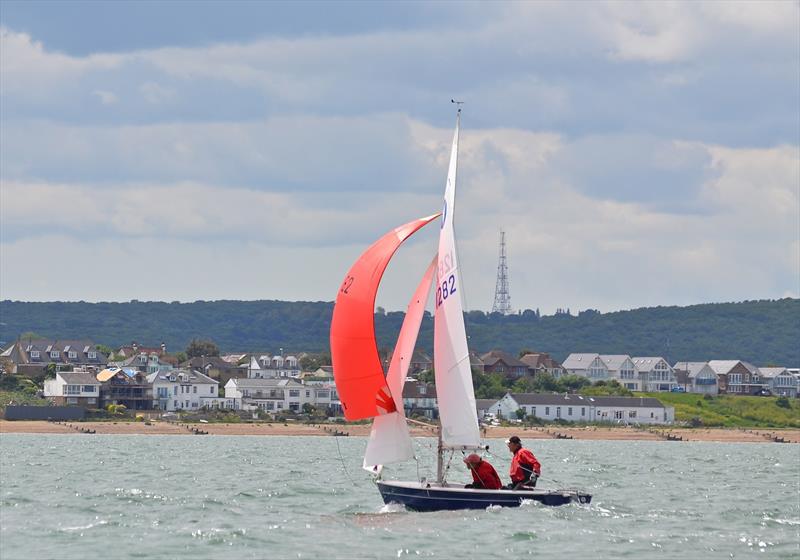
(736, 377)
(475, 362)
(482, 406)
(182, 389)
(586, 365)
(134, 348)
(541, 362)
(125, 386)
(498, 361)
(420, 398)
(581, 408)
(696, 377)
(73, 388)
(266, 366)
(31, 357)
(214, 367)
(271, 395)
(779, 381)
(621, 368)
(147, 362)
(655, 374)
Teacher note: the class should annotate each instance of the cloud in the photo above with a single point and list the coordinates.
(105, 97)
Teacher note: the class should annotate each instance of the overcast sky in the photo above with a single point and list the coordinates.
(636, 154)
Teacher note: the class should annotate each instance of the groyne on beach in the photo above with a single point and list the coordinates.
(659, 433)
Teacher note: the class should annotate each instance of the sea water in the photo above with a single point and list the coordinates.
(116, 497)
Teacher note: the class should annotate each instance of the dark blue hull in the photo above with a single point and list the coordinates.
(431, 497)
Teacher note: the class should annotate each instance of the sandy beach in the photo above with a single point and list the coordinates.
(666, 433)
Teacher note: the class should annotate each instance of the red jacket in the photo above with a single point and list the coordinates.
(484, 475)
(523, 461)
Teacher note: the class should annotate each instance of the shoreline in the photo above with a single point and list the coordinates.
(625, 433)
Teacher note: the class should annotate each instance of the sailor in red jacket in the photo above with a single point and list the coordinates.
(525, 469)
(483, 473)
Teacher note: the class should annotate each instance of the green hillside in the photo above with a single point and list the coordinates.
(761, 332)
(733, 411)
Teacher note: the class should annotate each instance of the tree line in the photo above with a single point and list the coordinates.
(762, 332)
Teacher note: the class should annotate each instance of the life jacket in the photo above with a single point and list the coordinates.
(522, 464)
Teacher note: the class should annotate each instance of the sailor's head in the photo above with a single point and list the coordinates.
(514, 443)
(472, 459)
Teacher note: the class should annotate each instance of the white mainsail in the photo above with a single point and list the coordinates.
(454, 391)
(389, 440)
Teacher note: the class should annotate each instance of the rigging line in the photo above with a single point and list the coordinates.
(344, 466)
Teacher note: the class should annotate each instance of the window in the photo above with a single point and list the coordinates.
(91, 401)
(72, 389)
(211, 389)
(72, 354)
(652, 415)
(294, 392)
(175, 392)
(187, 404)
(163, 392)
(423, 389)
(88, 389)
(308, 393)
(323, 394)
(72, 400)
(735, 378)
(194, 389)
(270, 405)
(569, 411)
(194, 405)
(175, 405)
(547, 411)
(92, 355)
(618, 414)
(632, 414)
(533, 410)
(55, 354)
(294, 406)
(34, 353)
(583, 411)
(558, 412)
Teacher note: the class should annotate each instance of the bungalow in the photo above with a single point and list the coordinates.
(696, 377)
(736, 377)
(79, 388)
(779, 380)
(182, 389)
(579, 408)
(655, 374)
(498, 361)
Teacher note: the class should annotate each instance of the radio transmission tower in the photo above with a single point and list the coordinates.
(502, 299)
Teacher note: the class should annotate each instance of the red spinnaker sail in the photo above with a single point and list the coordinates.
(357, 370)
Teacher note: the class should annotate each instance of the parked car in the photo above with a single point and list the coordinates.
(678, 390)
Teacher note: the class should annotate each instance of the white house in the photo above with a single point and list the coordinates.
(79, 388)
(779, 380)
(586, 365)
(273, 367)
(696, 377)
(622, 368)
(272, 395)
(655, 373)
(183, 389)
(579, 408)
(420, 398)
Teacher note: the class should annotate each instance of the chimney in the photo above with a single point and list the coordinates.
(163, 348)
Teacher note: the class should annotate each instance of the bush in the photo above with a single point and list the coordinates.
(140, 418)
(783, 402)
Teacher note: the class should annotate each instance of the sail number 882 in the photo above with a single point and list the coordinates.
(445, 290)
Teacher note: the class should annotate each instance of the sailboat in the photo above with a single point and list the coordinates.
(365, 391)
